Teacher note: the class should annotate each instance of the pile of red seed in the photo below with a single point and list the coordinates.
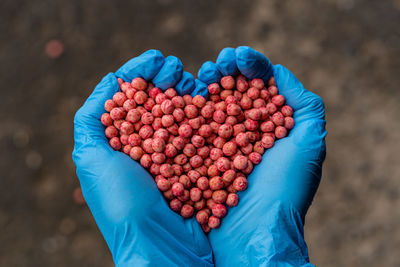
(198, 151)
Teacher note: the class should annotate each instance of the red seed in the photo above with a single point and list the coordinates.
(280, 132)
(273, 90)
(126, 128)
(220, 106)
(219, 210)
(257, 83)
(109, 105)
(219, 116)
(129, 104)
(133, 115)
(214, 88)
(242, 139)
(177, 189)
(240, 183)
(168, 195)
(175, 205)
(223, 164)
(225, 131)
(199, 205)
(232, 200)
(187, 211)
(106, 119)
(278, 119)
(258, 147)
(139, 83)
(233, 109)
(219, 196)
(111, 132)
(216, 183)
(185, 130)
(185, 197)
(185, 180)
(196, 161)
(136, 153)
(289, 123)
(214, 222)
(253, 93)
(117, 113)
(140, 97)
(255, 157)
(146, 132)
(229, 149)
(163, 184)
(267, 126)
(203, 152)
(145, 161)
(195, 194)
(240, 162)
(191, 111)
(119, 98)
(166, 170)
(228, 82)
(229, 176)
(267, 142)
(202, 183)
(241, 85)
(199, 101)
(202, 217)
(115, 143)
(212, 171)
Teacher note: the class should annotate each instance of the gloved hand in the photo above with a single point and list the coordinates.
(266, 228)
(135, 220)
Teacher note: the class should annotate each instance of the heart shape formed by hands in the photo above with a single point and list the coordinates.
(199, 151)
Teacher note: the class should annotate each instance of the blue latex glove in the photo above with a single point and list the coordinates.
(135, 220)
(266, 228)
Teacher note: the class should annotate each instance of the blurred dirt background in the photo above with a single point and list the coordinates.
(347, 51)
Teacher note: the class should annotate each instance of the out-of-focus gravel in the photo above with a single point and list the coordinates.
(346, 51)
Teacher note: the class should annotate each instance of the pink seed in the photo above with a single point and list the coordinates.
(187, 211)
(163, 184)
(117, 113)
(106, 119)
(228, 82)
(115, 143)
(289, 123)
(202, 183)
(240, 162)
(111, 132)
(202, 217)
(232, 200)
(139, 84)
(280, 132)
(195, 194)
(177, 189)
(219, 210)
(119, 98)
(240, 183)
(214, 222)
(109, 105)
(175, 205)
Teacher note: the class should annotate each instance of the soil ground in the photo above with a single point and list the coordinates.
(346, 51)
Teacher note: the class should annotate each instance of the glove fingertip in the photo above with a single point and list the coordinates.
(186, 85)
(253, 64)
(209, 73)
(170, 73)
(200, 89)
(146, 65)
(226, 62)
